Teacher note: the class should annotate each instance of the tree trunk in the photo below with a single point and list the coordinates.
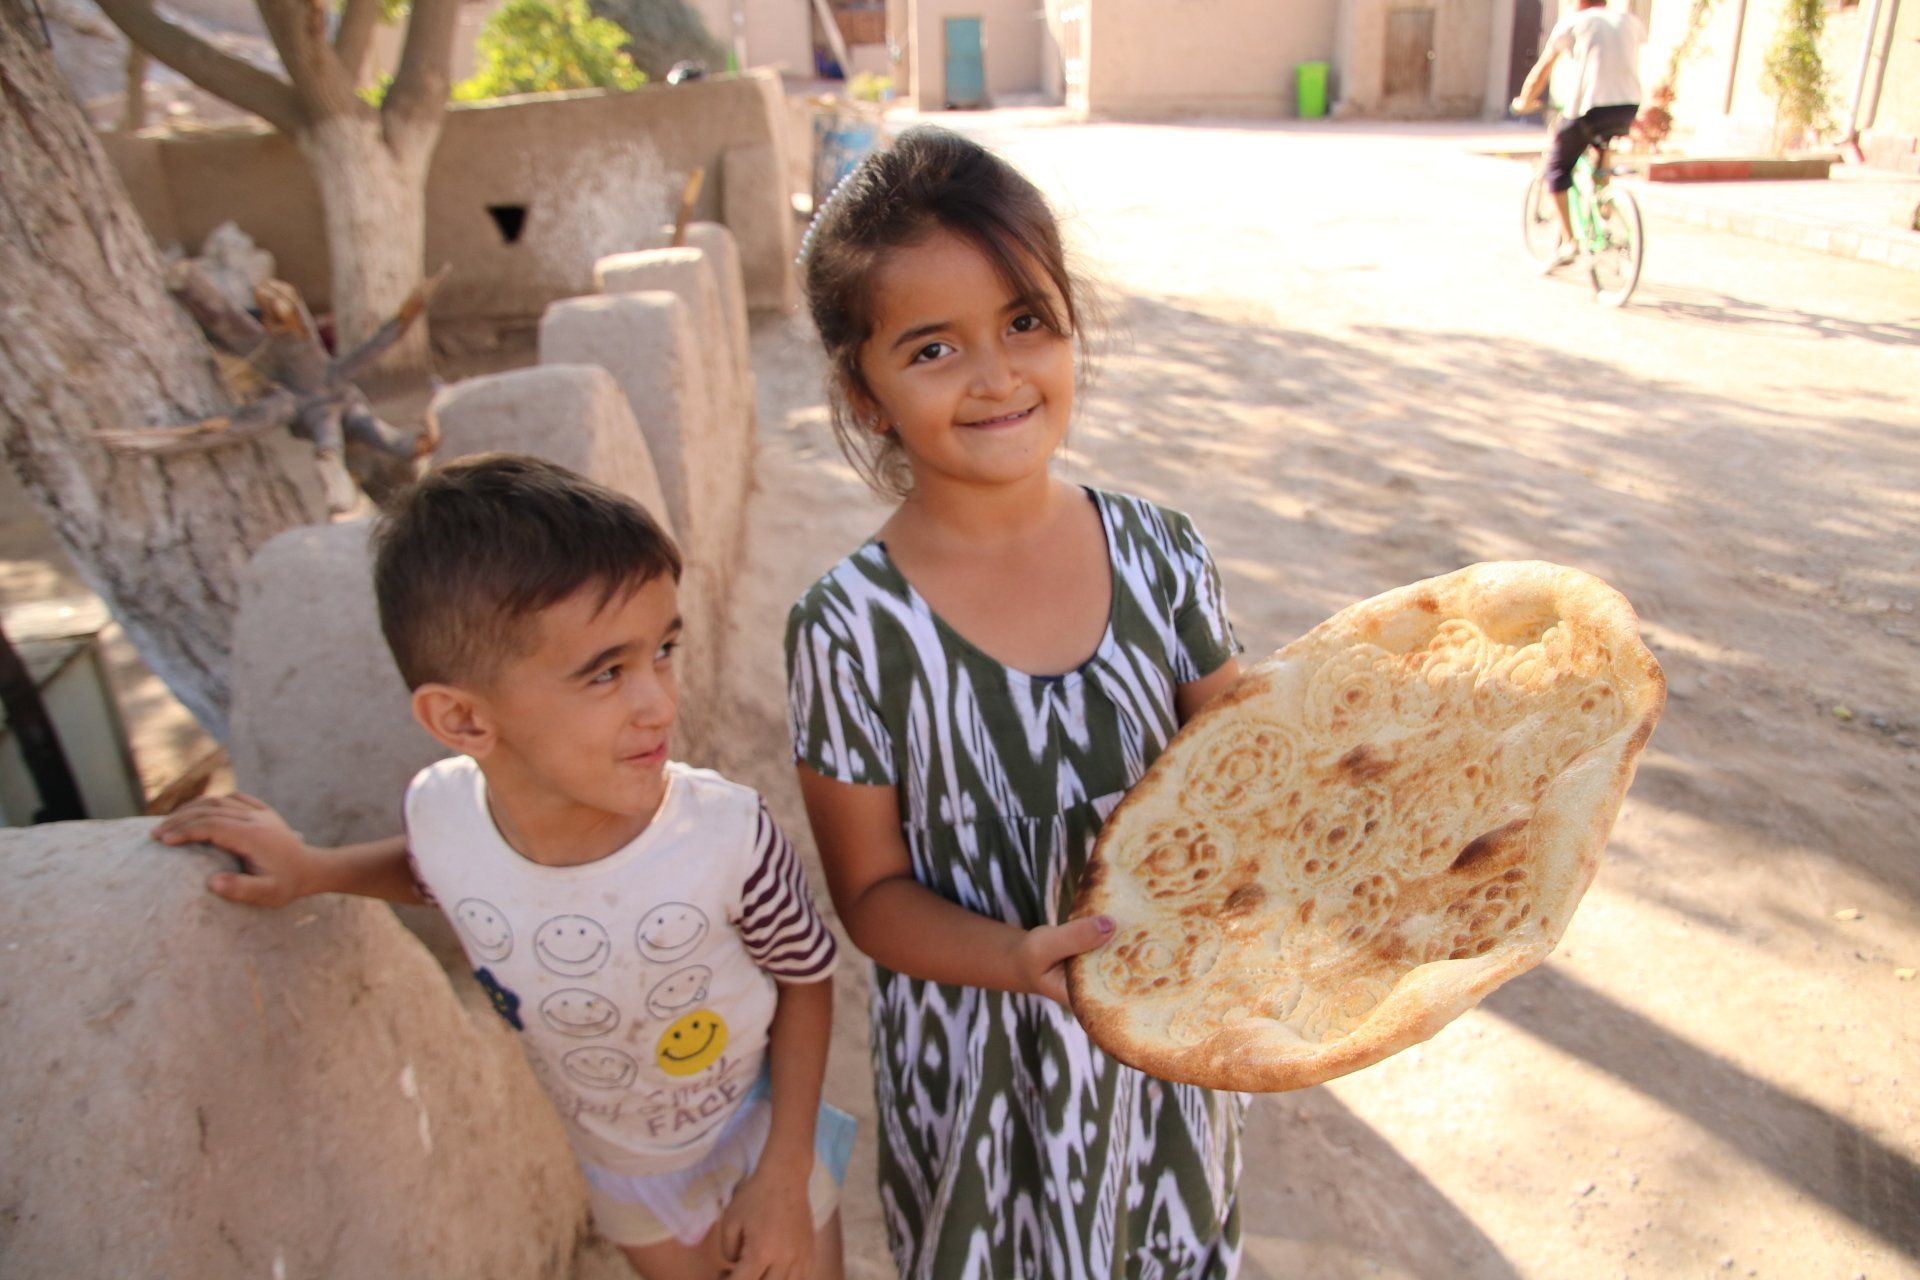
(90, 339)
(374, 198)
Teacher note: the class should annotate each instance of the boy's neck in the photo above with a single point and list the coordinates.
(555, 831)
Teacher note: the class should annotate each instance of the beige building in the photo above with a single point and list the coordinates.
(1165, 58)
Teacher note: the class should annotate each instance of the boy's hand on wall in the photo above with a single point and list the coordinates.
(767, 1231)
(1041, 954)
(278, 866)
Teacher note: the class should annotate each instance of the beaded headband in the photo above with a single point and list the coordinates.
(806, 241)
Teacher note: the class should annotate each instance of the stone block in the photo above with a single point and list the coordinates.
(322, 729)
(572, 414)
(763, 227)
(686, 273)
(646, 341)
(194, 1088)
(723, 258)
(689, 275)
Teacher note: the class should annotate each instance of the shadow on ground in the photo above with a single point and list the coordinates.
(1807, 1146)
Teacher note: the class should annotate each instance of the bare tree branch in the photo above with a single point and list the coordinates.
(133, 110)
(275, 409)
(420, 87)
(299, 31)
(221, 74)
(354, 36)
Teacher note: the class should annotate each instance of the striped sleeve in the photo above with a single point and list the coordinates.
(779, 923)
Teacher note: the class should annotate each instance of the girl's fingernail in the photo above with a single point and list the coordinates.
(1104, 923)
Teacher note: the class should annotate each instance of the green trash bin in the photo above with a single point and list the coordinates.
(1310, 83)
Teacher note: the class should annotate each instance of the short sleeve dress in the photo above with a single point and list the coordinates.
(1010, 1147)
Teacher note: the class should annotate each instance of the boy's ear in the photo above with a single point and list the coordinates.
(455, 718)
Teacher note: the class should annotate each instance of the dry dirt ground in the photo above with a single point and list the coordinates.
(1328, 350)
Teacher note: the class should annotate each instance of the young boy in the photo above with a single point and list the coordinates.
(643, 925)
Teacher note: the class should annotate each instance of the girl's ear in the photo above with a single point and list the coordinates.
(867, 413)
(455, 717)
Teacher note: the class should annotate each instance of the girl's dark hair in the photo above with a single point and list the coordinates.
(929, 179)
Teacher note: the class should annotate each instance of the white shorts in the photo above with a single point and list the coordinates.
(683, 1204)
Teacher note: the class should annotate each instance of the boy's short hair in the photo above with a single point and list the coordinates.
(466, 558)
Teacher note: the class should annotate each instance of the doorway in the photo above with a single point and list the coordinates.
(965, 63)
(1525, 50)
(1409, 64)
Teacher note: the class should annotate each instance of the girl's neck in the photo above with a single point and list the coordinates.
(947, 515)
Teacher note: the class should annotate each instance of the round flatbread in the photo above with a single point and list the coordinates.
(1376, 827)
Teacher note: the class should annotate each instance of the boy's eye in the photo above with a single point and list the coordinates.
(608, 676)
(932, 351)
(666, 651)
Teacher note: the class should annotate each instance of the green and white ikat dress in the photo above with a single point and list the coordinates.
(1010, 1147)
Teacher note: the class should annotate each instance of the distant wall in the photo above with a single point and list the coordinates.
(1146, 58)
(585, 175)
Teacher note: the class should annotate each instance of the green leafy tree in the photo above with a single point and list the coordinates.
(546, 46)
(1794, 73)
(661, 33)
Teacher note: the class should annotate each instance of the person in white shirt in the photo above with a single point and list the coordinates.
(643, 925)
(1602, 95)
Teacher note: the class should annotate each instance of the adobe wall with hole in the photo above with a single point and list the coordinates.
(524, 194)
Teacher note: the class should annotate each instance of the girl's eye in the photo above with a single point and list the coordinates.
(932, 351)
(608, 676)
(1028, 323)
(666, 651)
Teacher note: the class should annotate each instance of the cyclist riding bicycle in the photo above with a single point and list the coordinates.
(1602, 99)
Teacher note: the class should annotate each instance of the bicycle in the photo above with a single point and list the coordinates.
(1607, 228)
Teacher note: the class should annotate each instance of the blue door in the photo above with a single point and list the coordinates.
(966, 67)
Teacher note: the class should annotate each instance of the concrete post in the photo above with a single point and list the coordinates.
(763, 227)
(689, 275)
(646, 341)
(322, 728)
(572, 414)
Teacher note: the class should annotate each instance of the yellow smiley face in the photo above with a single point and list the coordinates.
(692, 1044)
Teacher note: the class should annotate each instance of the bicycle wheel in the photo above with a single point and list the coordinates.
(1539, 224)
(1621, 243)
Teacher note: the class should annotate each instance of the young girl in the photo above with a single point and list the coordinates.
(971, 693)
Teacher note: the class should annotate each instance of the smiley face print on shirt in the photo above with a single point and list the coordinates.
(670, 931)
(485, 927)
(692, 1044)
(575, 1011)
(572, 946)
(679, 991)
(598, 1067)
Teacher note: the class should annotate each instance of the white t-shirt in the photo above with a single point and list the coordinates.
(641, 984)
(1599, 59)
